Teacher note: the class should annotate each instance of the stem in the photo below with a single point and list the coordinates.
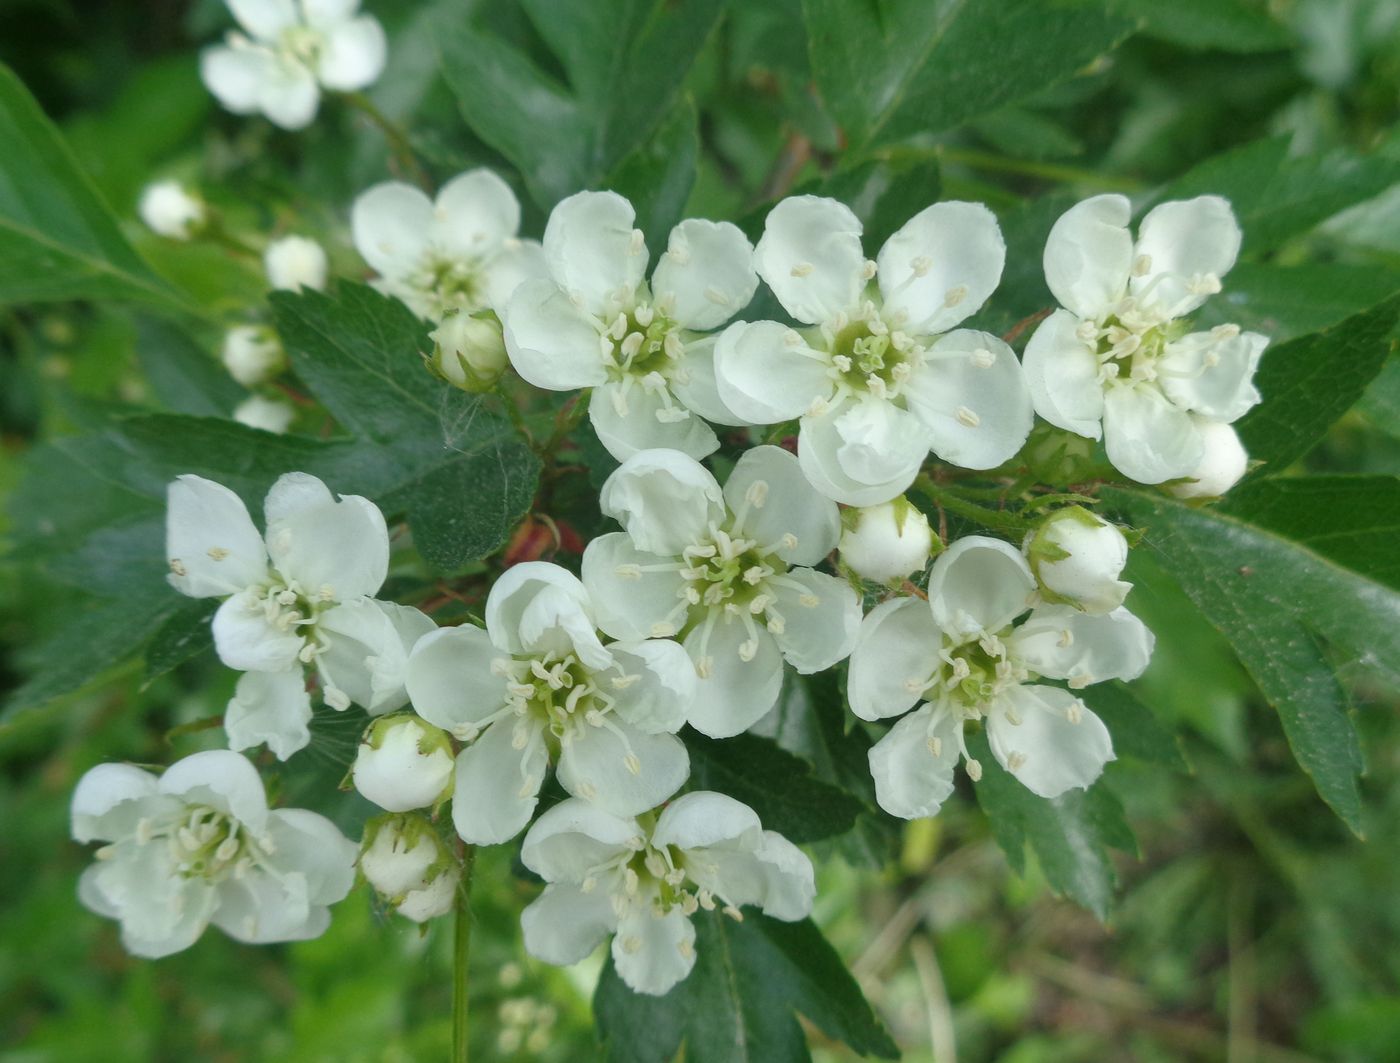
(394, 134)
(991, 518)
(461, 954)
(984, 160)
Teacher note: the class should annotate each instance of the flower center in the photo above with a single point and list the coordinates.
(301, 43)
(557, 689)
(447, 284)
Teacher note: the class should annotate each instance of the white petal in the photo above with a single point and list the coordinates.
(235, 75)
(1148, 438)
(659, 689)
(766, 373)
(1213, 375)
(979, 584)
(973, 398)
(706, 275)
(911, 781)
(1050, 754)
(1060, 642)
(391, 223)
(474, 214)
(1223, 462)
(556, 623)
(665, 500)
(161, 912)
(450, 680)
(222, 779)
(940, 267)
(1062, 373)
(367, 643)
(594, 764)
(595, 252)
(352, 55)
(820, 621)
(507, 269)
(313, 846)
(790, 879)
(810, 255)
(334, 550)
(703, 818)
(768, 487)
(512, 594)
(895, 655)
(245, 640)
(210, 540)
(497, 783)
(564, 924)
(863, 452)
(325, 13)
(1185, 240)
(571, 839)
(632, 419)
(261, 907)
(734, 694)
(1089, 256)
(694, 383)
(271, 708)
(264, 19)
(551, 342)
(400, 773)
(653, 952)
(108, 801)
(289, 95)
(630, 606)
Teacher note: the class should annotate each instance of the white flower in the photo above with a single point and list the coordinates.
(1077, 557)
(270, 415)
(1223, 462)
(610, 875)
(406, 862)
(470, 351)
(252, 354)
(288, 51)
(595, 322)
(1118, 361)
(403, 764)
(887, 542)
(458, 252)
(537, 686)
(168, 210)
(295, 262)
(716, 569)
(297, 599)
(199, 845)
(879, 381)
(959, 654)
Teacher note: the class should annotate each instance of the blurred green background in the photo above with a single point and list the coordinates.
(1252, 927)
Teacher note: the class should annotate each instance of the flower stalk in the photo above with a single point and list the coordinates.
(461, 956)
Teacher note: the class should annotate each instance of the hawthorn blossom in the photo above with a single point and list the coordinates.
(457, 252)
(877, 379)
(252, 354)
(886, 543)
(961, 657)
(198, 845)
(643, 349)
(725, 571)
(538, 686)
(403, 763)
(1119, 360)
(409, 866)
(1077, 557)
(170, 211)
(296, 262)
(1223, 462)
(271, 415)
(286, 52)
(642, 879)
(301, 597)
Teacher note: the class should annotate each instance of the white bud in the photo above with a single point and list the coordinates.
(472, 339)
(1077, 557)
(406, 862)
(267, 414)
(403, 763)
(1223, 462)
(886, 542)
(432, 900)
(171, 211)
(252, 354)
(295, 262)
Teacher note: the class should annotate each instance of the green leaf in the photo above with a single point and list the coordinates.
(462, 473)
(1221, 25)
(1288, 301)
(182, 375)
(1136, 732)
(1271, 598)
(1309, 382)
(777, 785)
(58, 240)
(738, 1004)
(625, 61)
(184, 634)
(658, 176)
(904, 67)
(1070, 835)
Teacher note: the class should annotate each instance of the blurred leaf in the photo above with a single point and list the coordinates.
(904, 67)
(183, 635)
(1381, 403)
(738, 1003)
(1135, 731)
(658, 176)
(58, 240)
(1309, 382)
(1220, 25)
(1288, 301)
(183, 376)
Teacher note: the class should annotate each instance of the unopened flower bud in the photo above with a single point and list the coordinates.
(403, 763)
(252, 354)
(1077, 558)
(432, 900)
(1222, 464)
(406, 862)
(171, 211)
(295, 262)
(886, 542)
(471, 351)
(267, 414)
